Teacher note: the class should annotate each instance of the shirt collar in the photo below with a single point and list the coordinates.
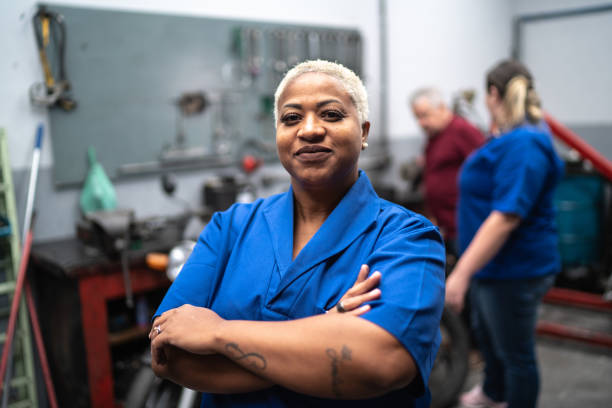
(356, 211)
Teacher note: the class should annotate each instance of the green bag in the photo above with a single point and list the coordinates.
(98, 191)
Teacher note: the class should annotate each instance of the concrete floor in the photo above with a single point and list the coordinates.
(572, 375)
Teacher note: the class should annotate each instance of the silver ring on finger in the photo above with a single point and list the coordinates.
(340, 307)
(157, 329)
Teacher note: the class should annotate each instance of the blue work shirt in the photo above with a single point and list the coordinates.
(515, 173)
(242, 268)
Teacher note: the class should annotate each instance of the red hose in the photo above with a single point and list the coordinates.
(10, 331)
(42, 355)
(575, 142)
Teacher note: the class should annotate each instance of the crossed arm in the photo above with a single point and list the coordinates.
(331, 356)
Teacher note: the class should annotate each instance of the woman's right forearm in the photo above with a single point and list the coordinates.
(207, 373)
(487, 242)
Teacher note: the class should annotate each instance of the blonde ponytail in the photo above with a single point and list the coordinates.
(515, 100)
(533, 106)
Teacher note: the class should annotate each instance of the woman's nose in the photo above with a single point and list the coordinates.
(311, 128)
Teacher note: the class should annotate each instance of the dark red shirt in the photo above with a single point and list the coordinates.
(444, 155)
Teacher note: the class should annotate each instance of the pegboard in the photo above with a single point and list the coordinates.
(128, 70)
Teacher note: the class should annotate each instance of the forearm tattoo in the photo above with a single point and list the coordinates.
(336, 381)
(255, 360)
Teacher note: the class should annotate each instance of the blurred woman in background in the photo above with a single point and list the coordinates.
(507, 239)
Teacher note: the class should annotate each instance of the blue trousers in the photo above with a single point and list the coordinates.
(504, 315)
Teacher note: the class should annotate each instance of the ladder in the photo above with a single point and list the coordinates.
(22, 390)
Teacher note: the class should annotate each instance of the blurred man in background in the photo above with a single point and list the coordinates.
(450, 139)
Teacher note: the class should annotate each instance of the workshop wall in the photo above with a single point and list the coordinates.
(574, 79)
(412, 62)
(58, 209)
(21, 66)
(449, 44)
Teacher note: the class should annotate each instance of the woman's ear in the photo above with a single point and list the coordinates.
(365, 131)
(494, 93)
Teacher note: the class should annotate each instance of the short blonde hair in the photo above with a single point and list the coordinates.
(349, 80)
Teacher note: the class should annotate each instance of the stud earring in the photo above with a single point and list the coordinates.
(364, 145)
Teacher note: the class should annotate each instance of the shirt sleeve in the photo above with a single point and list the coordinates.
(193, 284)
(519, 176)
(412, 294)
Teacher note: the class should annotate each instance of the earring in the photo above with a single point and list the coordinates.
(364, 145)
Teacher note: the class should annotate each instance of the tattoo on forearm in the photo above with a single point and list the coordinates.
(346, 353)
(255, 360)
(336, 381)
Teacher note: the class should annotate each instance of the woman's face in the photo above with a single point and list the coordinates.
(493, 100)
(318, 134)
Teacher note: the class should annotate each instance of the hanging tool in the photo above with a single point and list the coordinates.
(53, 92)
(21, 281)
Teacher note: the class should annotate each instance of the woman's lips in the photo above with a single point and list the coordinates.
(313, 153)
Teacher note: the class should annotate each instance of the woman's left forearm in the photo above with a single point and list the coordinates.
(329, 356)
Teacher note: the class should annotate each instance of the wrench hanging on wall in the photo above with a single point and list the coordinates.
(49, 28)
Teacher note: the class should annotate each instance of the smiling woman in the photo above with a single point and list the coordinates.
(318, 134)
(247, 319)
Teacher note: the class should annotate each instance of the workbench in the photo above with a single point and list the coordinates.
(77, 292)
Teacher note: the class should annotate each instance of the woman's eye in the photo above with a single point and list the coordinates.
(333, 115)
(290, 118)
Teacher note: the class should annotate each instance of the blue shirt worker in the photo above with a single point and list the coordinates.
(508, 240)
(276, 307)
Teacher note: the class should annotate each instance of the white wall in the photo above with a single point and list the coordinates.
(20, 66)
(571, 59)
(447, 44)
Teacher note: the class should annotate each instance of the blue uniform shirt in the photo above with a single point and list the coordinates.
(515, 173)
(242, 268)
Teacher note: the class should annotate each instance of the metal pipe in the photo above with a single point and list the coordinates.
(383, 104)
(33, 178)
(574, 333)
(603, 165)
(577, 298)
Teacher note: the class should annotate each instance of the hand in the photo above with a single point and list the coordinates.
(187, 327)
(363, 290)
(456, 288)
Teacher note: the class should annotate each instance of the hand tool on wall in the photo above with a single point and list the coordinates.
(21, 282)
(53, 92)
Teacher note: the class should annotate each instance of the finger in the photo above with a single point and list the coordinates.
(360, 310)
(159, 341)
(365, 286)
(356, 301)
(155, 331)
(156, 323)
(456, 305)
(363, 273)
(366, 297)
(157, 354)
(370, 283)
